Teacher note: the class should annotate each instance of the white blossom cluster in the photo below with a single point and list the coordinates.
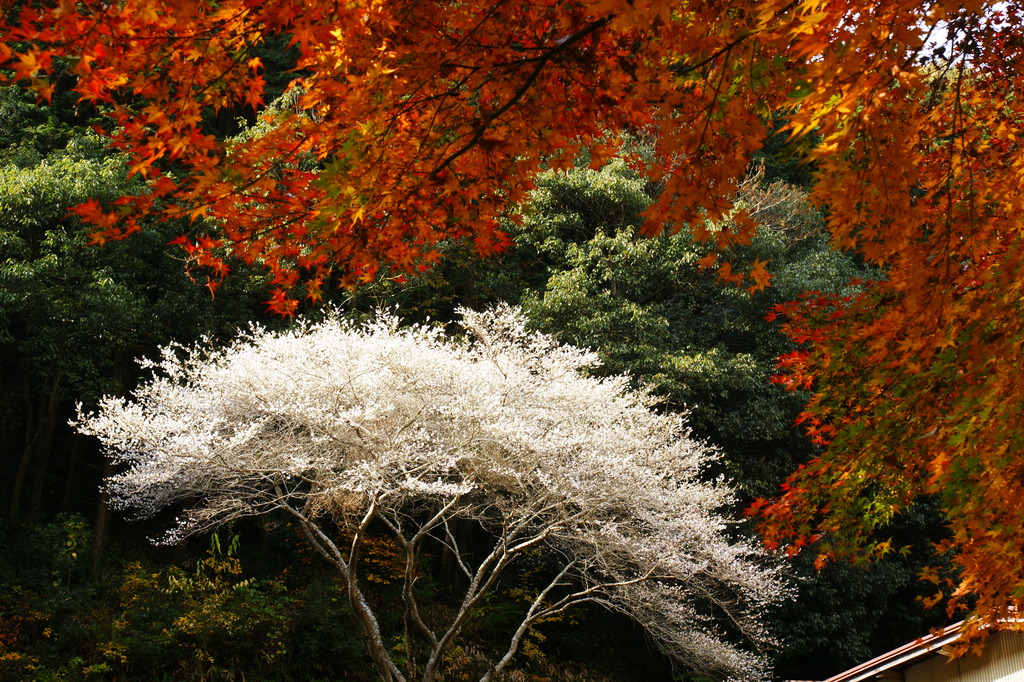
(338, 423)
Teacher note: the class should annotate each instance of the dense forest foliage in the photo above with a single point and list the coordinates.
(84, 594)
(406, 130)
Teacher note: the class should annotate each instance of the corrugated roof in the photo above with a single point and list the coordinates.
(901, 658)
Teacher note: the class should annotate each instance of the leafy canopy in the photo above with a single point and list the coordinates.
(425, 120)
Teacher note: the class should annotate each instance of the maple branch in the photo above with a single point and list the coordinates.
(462, 41)
(714, 99)
(950, 171)
(542, 61)
(683, 70)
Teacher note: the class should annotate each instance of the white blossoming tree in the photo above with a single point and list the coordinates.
(345, 427)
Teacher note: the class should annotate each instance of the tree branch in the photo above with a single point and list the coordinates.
(541, 61)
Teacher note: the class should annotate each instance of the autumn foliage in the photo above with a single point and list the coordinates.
(426, 120)
(415, 122)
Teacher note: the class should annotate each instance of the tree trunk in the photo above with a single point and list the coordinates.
(371, 629)
(101, 526)
(14, 510)
(44, 446)
(74, 451)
